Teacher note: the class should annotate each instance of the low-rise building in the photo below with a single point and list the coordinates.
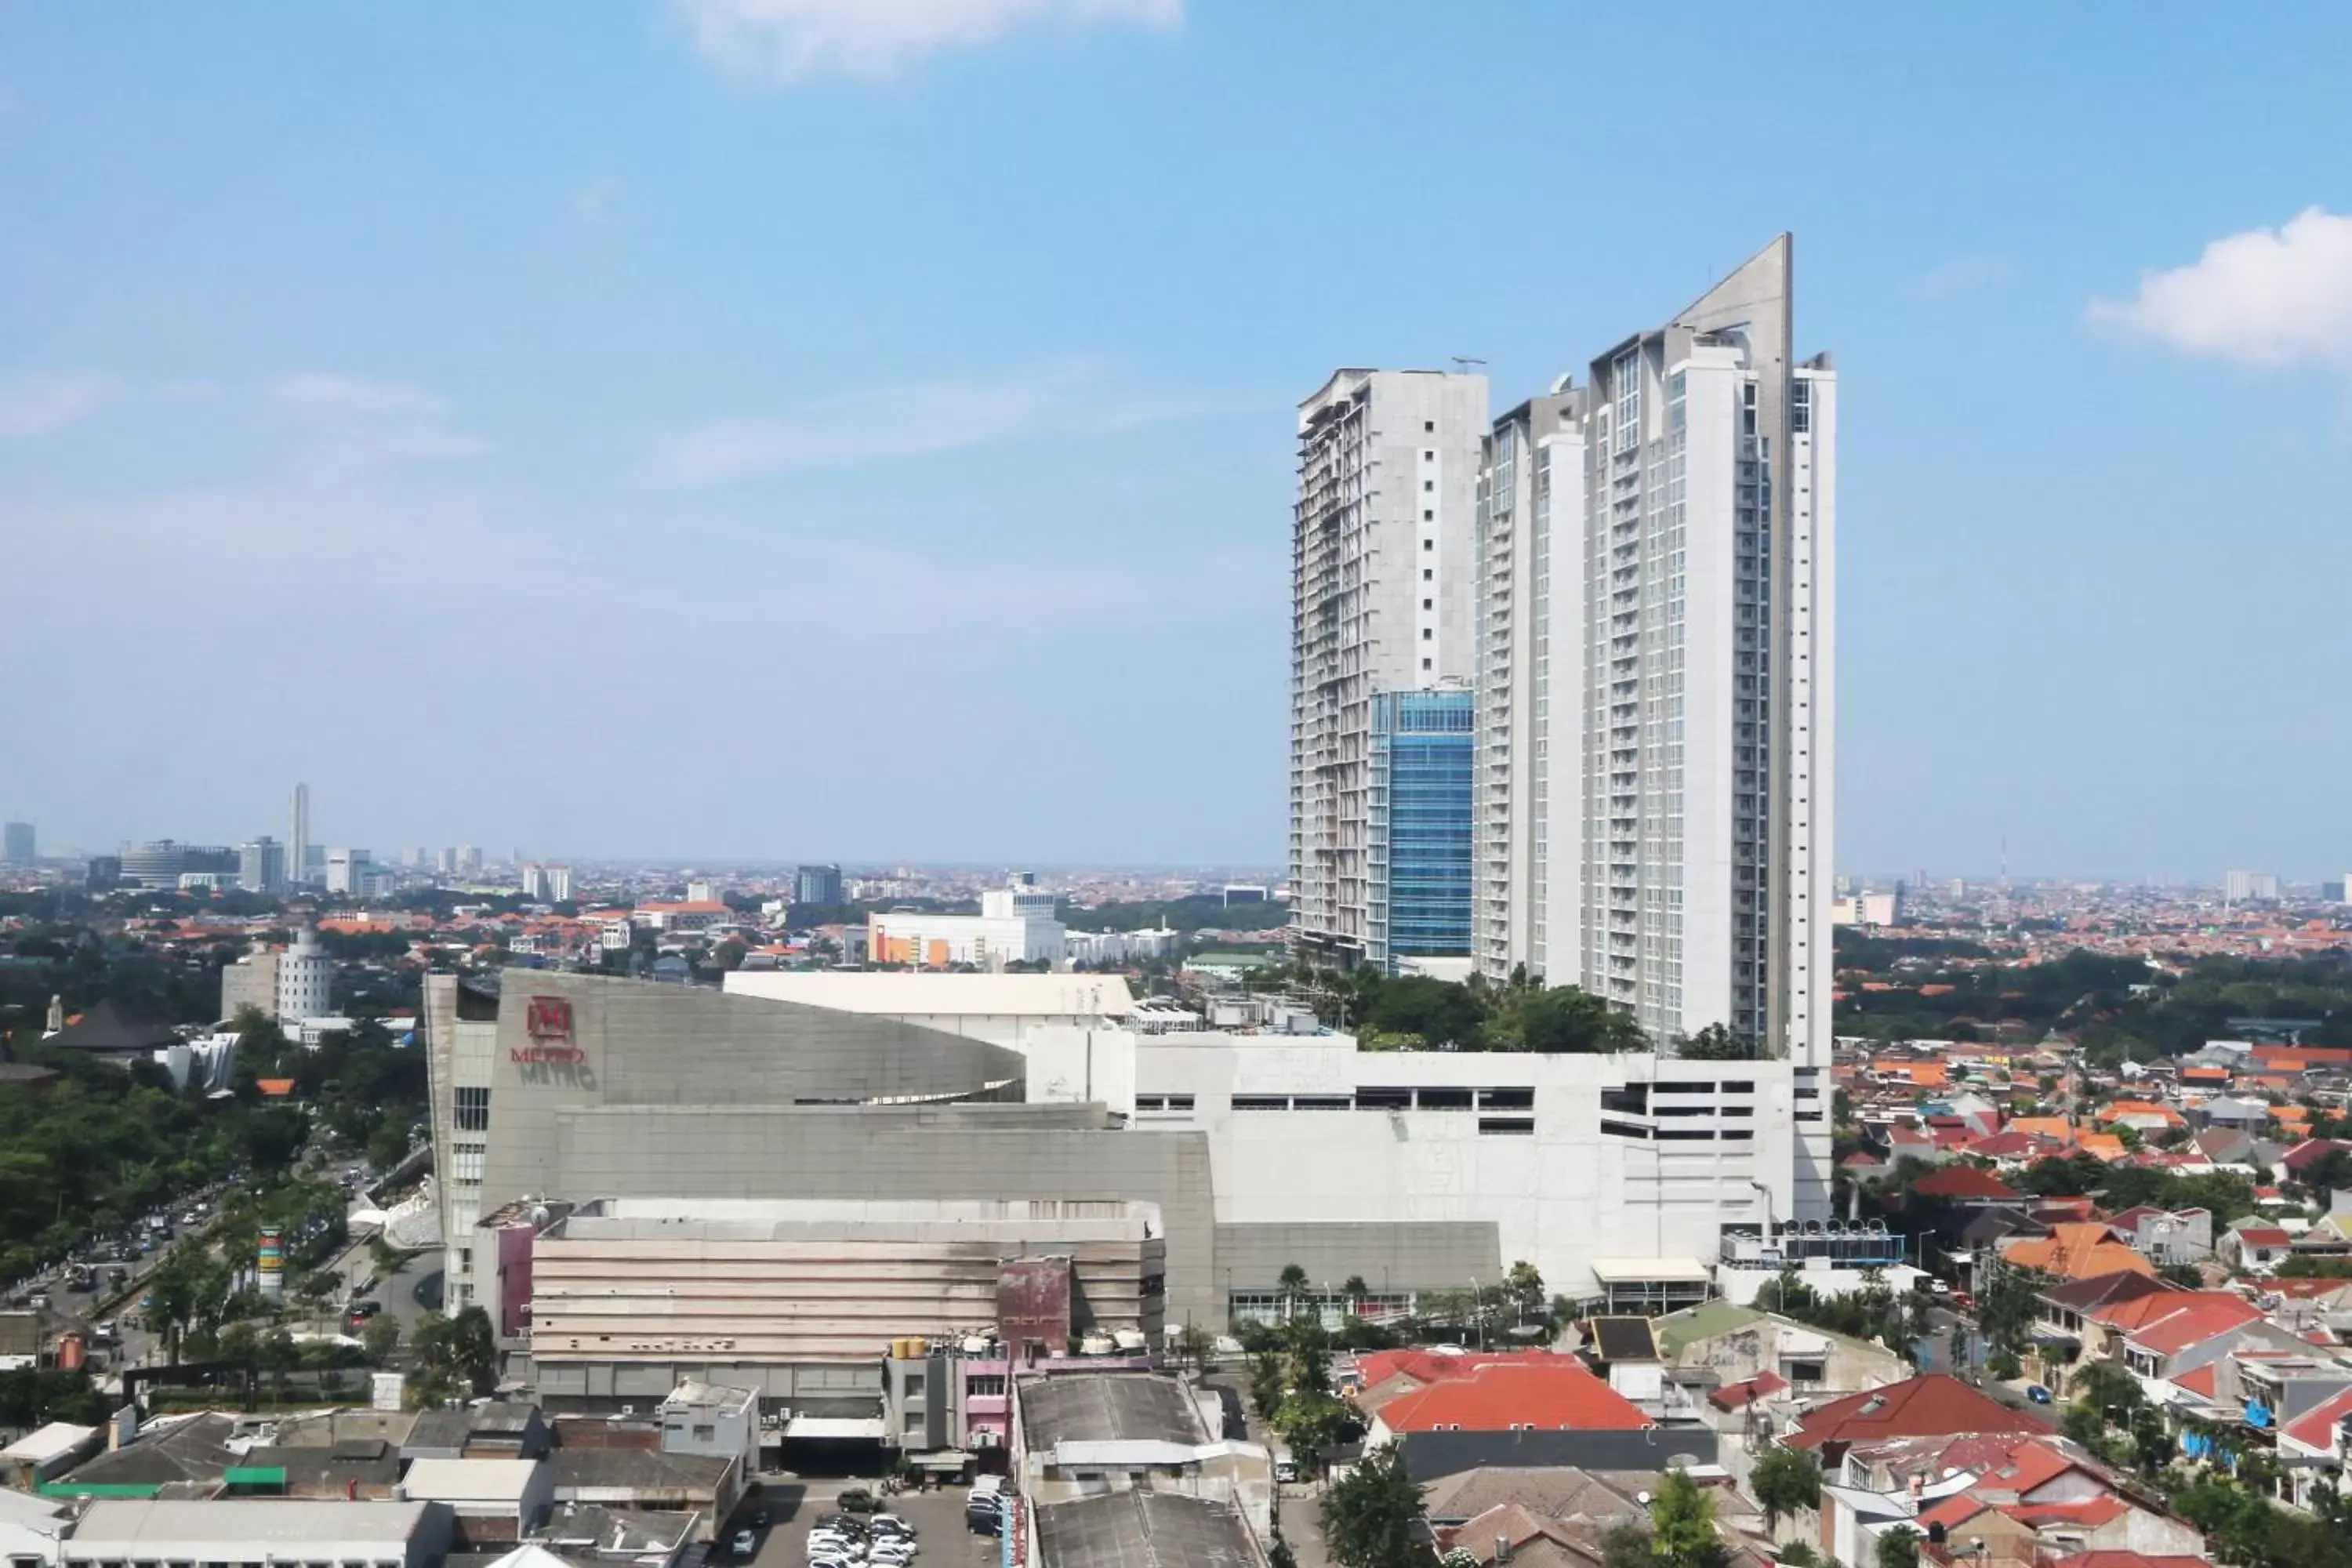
(1145, 1527)
(1078, 1434)
(247, 1531)
(1732, 1344)
(1535, 1409)
(492, 1500)
(31, 1529)
(2253, 1247)
(1016, 924)
(47, 1452)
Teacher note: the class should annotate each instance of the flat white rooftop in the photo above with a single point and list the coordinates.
(54, 1441)
(900, 995)
(155, 1527)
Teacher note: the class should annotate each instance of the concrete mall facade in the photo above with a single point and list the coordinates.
(1414, 1172)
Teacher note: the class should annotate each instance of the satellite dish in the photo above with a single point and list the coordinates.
(1562, 382)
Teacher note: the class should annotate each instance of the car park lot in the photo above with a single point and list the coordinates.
(936, 1516)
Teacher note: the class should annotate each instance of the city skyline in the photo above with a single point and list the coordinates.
(547, 404)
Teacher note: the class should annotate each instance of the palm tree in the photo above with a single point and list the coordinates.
(1293, 1282)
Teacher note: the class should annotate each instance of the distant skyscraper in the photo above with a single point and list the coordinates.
(155, 864)
(818, 885)
(2249, 886)
(447, 862)
(298, 837)
(347, 870)
(104, 873)
(469, 858)
(546, 884)
(701, 891)
(1419, 825)
(261, 865)
(1656, 574)
(17, 845)
(1381, 586)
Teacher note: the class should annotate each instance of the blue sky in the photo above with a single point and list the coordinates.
(858, 428)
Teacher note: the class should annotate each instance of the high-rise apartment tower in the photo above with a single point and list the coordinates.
(1380, 602)
(1656, 585)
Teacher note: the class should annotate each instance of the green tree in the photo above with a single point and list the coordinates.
(1716, 1044)
(1627, 1546)
(1369, 1518)
(1785, 1480)
(1563, 1020)
(380, 1338)
(1899, 1548)
(1681, 1525)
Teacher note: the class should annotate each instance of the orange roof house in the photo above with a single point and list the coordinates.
(2078, 1249)
(2139, 1110)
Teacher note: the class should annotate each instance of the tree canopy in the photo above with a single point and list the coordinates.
(1368, 1518)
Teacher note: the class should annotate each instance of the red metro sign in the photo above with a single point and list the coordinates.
(548, 1022)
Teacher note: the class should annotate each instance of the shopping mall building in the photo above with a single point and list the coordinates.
(738, 1119)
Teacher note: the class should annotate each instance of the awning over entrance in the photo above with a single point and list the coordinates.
(835, 1428)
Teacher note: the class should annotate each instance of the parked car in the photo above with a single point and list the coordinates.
(857, 1499)
(2036, 1392)
(746, 1543)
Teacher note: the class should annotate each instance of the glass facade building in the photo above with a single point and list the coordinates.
(1419, 824)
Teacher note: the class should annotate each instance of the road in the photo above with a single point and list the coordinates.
(415, 1287)
(1954, 1348)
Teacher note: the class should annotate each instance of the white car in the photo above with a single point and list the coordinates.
(824, 1543)
(892, 1553)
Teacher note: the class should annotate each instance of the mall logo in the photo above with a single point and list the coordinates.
(548, 1022)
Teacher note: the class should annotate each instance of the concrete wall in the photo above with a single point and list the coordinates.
(951, 1152)
(1561, 1196)
(1438, 1255)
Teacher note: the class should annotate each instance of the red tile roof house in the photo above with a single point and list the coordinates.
(1527, 1413)
(2252, 1247)
(1991, 1498)
(2197, 1331)
(1929, 1405)
(2317, 1437)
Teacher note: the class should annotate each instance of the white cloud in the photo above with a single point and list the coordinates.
(785, 40)
(37, 404)
(881, 424)
(1964, 275)
(351, 421)
(2267, 298)
(593, 202)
